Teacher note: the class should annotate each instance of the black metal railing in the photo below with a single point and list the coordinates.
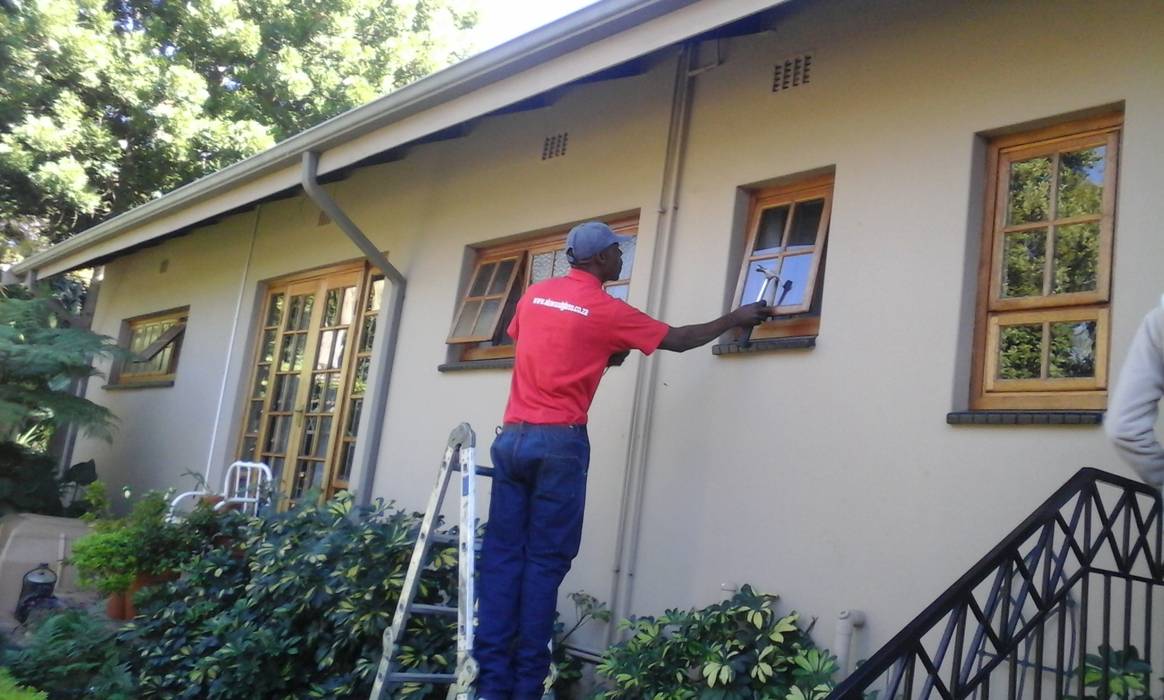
(1070, 604)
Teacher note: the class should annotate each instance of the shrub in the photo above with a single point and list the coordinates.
(27, 481)
(738, 649)
(295, 608)
(11, 690)
(72, 654)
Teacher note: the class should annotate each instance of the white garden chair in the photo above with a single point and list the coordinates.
(245, 487)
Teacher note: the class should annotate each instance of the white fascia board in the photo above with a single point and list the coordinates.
(452, 96)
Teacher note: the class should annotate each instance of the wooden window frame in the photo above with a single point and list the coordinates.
(470, 349)
(803, 319)
(172, 337)
(987, 390)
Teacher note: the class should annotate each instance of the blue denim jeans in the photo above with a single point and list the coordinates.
(533, 533)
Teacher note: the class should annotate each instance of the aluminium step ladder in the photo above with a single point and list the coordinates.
(459, 457)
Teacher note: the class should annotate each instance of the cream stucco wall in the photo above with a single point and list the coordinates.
(828, 476)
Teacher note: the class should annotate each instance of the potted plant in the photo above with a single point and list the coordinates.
(123, 555)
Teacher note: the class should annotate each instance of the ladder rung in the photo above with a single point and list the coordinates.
(423, 609)
(482, 470)
(420, 678)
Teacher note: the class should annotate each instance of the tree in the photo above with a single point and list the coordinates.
(107, 104)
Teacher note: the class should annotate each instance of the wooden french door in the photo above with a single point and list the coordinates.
(309, 373)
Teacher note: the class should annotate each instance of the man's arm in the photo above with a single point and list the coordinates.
(683, 338)
(1131, 414)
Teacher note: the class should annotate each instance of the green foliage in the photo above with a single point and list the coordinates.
(11, 690)
(738, 649)
(1127, 675)
(104, 106)
(40, 357)
(27, 484)
(293, 608)
(72, 654)
(568, 669)
(119, 549)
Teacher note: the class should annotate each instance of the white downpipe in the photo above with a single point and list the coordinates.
(383, 345)
(847, 621)
(646, 380)
(238, 304)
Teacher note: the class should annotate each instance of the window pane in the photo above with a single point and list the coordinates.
(770, 236)
(248, 450)
(467, 319)
(561, 263)
(254, 415)
(264, 380)
(805, 222)
(347, 455)
(1081, 182)
(481, 281)
(277, 435)
(1024, 255)
(755, 280)
(323, 437)
(502, 277)
(1020, 352)
(353, 423)
(286, 387)
(487, 318)
(268, 346)
(795, 269)
(331, 309)
(1028, 196)
(1076, 257)
(360, 380)
(1072, 349)
(628, 257)
(618, 291)
(543, 267)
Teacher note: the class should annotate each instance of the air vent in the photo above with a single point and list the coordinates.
(555, 146)
(792, 72)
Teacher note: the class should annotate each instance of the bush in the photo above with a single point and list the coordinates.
(70, 655)
(294, 609)
(11, 690)
(738, 649)
(27, 481)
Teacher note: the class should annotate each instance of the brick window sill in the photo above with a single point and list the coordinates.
(806, 342)
(1025, 418)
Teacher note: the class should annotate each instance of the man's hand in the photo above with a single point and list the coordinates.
(752, 314)
(617, 358)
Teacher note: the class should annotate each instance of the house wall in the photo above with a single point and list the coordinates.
(828, 475)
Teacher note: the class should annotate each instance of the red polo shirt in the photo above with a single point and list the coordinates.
(566, 329)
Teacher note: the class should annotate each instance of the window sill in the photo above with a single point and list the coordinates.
(499, 363)
(139, 385)
(807, 342)
(1025, 418)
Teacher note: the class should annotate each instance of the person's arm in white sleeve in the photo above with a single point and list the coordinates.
(1131, 414)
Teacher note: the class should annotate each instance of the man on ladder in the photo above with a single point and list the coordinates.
(568, 330)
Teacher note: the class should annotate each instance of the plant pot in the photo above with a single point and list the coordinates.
(115, 606)
(141, 581)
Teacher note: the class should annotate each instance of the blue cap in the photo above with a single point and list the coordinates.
(589, 239)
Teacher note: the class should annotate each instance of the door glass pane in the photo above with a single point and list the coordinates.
(277, 435)
(1081, 182)
(360, 377)
(324, 388)
(770, 236)
(347, 456)
(628, 257)
(1029, 191)
(467, 319)
(502, 277)
(353, 421)
(488, 317)
(254, 416)
(263, 372)
(286, 386)
(1020, 351)
(248, 450)
(805, 223)
(796, 269)
(323, 438)
(1076, 258)
(268, 353)
(274, 310)
(369, 334)
(331, 307)
(1072, 349)
(481, 281)
(1024, 255)
(348, 306)
(375, 294)
(310, 435)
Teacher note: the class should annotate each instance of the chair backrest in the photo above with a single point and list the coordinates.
(246, 486)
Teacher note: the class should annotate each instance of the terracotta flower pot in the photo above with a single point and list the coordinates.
(115, 606)
(141, 581)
